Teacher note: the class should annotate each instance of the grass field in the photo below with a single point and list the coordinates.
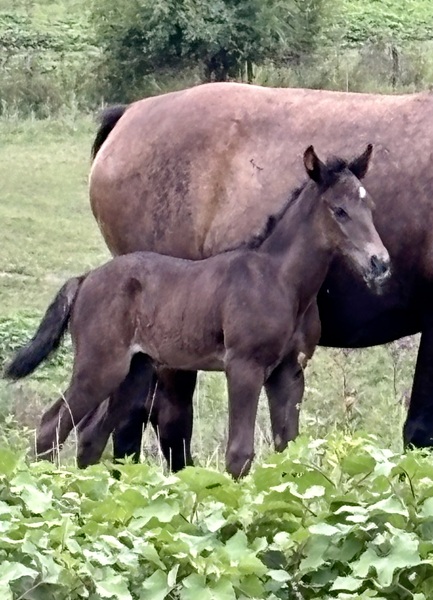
(48, 231)
(49, 234)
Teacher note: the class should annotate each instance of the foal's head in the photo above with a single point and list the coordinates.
(347, 213)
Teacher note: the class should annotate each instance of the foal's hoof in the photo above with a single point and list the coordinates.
(239, 465)
(88, 453)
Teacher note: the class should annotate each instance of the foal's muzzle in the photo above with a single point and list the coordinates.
(379, 270)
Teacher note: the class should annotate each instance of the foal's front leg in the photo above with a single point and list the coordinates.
(285, 388)
(244, 381)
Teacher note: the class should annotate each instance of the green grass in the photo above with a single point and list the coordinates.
(48, 231)
(48, 234)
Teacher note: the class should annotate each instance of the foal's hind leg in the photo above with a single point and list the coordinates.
(91, 383)
(244, 382)
(128, 400)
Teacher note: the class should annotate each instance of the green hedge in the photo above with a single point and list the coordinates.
(340, 518)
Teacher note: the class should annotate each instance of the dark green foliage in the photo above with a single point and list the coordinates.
(392, 21)
(221, 39)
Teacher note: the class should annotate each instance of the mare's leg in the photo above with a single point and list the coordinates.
(171, 415)
(285, 386)
(92, 382)
(418, 428)
(244, 382)
(128, 433)
(128, 400)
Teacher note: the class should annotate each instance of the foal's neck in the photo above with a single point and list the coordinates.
(300, 243)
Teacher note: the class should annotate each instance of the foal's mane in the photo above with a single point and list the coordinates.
(334, 167)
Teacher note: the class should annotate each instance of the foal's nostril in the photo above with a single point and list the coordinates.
(378, 266)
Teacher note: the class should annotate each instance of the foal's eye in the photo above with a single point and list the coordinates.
(340, 213)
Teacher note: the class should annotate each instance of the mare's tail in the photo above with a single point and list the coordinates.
(49, 334)
(108, 119)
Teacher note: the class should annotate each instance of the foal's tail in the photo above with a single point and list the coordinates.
(49, 334)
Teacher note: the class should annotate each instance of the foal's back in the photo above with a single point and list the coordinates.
(172, 309)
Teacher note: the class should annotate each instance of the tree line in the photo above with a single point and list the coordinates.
(118, 50)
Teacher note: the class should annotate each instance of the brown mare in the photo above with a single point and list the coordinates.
(251, 312)
(194, 172)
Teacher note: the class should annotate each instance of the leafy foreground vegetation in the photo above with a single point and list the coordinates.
(337, 518)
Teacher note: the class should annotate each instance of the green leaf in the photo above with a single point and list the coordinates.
(8, 461)
(237, 546)
(156, 587)
(389, 505)
(158, 509)
(403, 553)
(194, 588)
(315, 556)
(198, 479)
(11, 571)
(357, 464)
(348, 584)
(172, 576)
(325, 529)
(36, 500)
(427, 509)
(5, 592)
(215, 521)
(223, 590)
(278, 575)
(113, 586)
(149, 553)
(51, 571)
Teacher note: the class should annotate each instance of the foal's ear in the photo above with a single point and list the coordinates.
(359, 166)
(313, 165)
